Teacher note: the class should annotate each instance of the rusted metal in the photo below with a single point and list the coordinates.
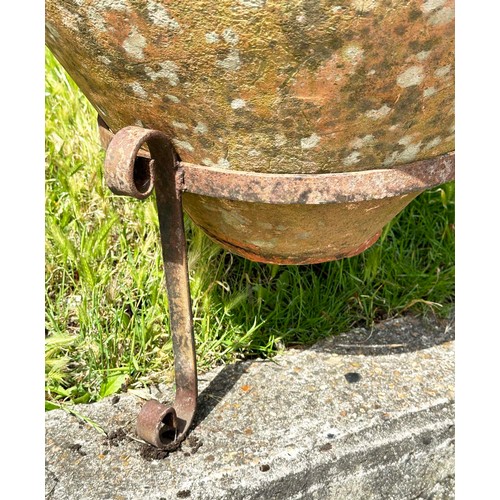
(304, 219)
(317, 189)
(297, 218)
(157, 424)
(309, 189)
(125, 172)
(160, 425)
(138, 159)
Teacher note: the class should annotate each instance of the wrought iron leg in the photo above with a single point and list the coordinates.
(129, 174)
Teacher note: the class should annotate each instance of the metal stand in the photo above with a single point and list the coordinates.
(133, 171)
(129, 174)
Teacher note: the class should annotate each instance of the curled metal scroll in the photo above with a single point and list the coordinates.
(128, 174)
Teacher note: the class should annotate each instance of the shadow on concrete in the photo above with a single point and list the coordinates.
(399, 335)
(223, 382)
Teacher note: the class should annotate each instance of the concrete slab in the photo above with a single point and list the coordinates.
(364, 415)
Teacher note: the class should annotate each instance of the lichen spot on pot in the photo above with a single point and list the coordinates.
(363, 6)
(160, 16)
(135, 44)
(310, 142)
(412, 76)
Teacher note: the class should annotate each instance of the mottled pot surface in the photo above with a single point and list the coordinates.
(293, 234)
(271, 86)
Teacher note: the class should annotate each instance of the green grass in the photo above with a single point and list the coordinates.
(106, 309)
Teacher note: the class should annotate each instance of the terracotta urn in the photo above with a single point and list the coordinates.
(278, 88)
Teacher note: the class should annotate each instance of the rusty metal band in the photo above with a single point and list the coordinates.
(310, 189)
(128, 174)
(318, 189)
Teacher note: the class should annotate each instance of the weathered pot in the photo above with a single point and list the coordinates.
(296, 123)
(275, 87)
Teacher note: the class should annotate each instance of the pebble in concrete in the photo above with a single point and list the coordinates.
(363, 415)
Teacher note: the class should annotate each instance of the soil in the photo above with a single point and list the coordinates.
(116, 436)
(194, 443)
(151, 453)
